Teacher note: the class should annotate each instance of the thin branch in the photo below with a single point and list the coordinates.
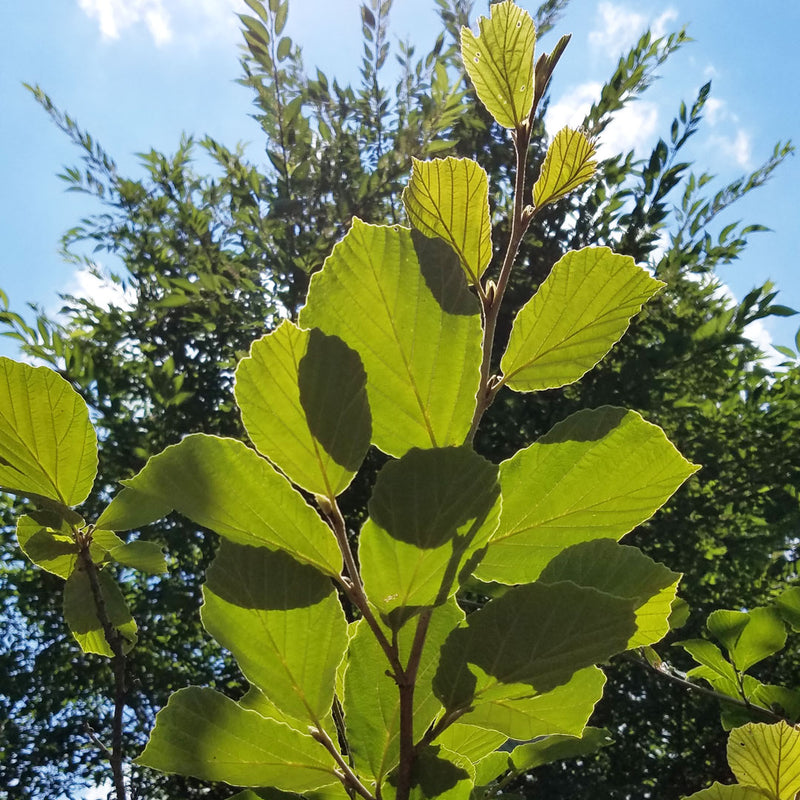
(115, 642)
(347, 776)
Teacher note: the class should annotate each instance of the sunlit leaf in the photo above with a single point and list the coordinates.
(80, 612)
(767, 756)
(449, 198)
(555, 496)
(557, 748)
(48, 446)
(418, 332)
(304, 404)
(788, 604)
(132, 510)
(429, 512)
(581, 309)
(500, 62)
(223, 485)
(569, 163)
(144, 556)
(283, 623)
(719, 791)
(54, 550)
(624, 572)
(438, 773)
(471, 741)
(749, 637)
(206, 735)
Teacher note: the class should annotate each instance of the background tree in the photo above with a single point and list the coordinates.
(210, 262)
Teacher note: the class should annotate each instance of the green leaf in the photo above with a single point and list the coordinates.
(80, 612)
(131, 510)
(719, 791)
(749, 637)
(788, 604)
(596, 475)
(284, 48)
(439, 773)
(516, 712)
(500, 62)
(283, 623)
(304, 404)
(779, 698)
(206, 735)
(568, 163)
(52, 549)
(557, 748)
(429, 512)
(372, 701)
(223, 485)
(449, 198)
(581, 309)
(767, 756)
(471, 741)
(48, 447)
(716, 667)
(623, 572)
(537, 634)
(418, 332)
(144, 556)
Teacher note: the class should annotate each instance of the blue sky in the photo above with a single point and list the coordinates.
(138, 73)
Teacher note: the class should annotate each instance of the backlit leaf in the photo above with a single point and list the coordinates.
(438, 773)
(52, 549)
(449, 198)
(719, 791)
(80, 612)
(556, 748)
(304, 404)
(132, 510)
(581, 309)
(429, 512)
(624, 572)
(144, 556)
(788, 604)
(283, 623)
(749, 637)
(401, 301)
(555, 496)
(767, 756)
(206, 735)
(223, 485)
(569, 163)
(48, 446)
(500, 62)
(470, 740)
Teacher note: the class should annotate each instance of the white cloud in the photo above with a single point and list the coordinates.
(737, 147)
(619, 27)
(164, 20)
(100, 290)
(631, 128)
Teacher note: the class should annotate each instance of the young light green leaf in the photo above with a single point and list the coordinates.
(429, 512)
(48, 446)
(206, 735)
(471, 741)
(80, 613)
(579, 312)
(52, 549)
(304, 404)
(224, 485)
(500, 62)
(623, 572)
(719, 791)
(554, 495)
(749, 637)
(556, 748)
(449, 198)
(131, 510)
(537, 634)
(418, 332)
(569, 163)
(518, 713)
(788, 604)
(144, 556)
(283, 623)
(767, 756)
(371, 699)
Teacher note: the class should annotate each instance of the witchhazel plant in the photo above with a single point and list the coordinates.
(370, 674)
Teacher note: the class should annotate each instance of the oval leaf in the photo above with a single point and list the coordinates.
(596, 475)
(304, 404)
(224, 485)
(500, 62)
(418, 332)
(204, 734)
(449, 198)
(52, 549)
(569, 163)
(283, 623)
(767, 756)
(579, 312)
(144, 556)
(48, 446)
